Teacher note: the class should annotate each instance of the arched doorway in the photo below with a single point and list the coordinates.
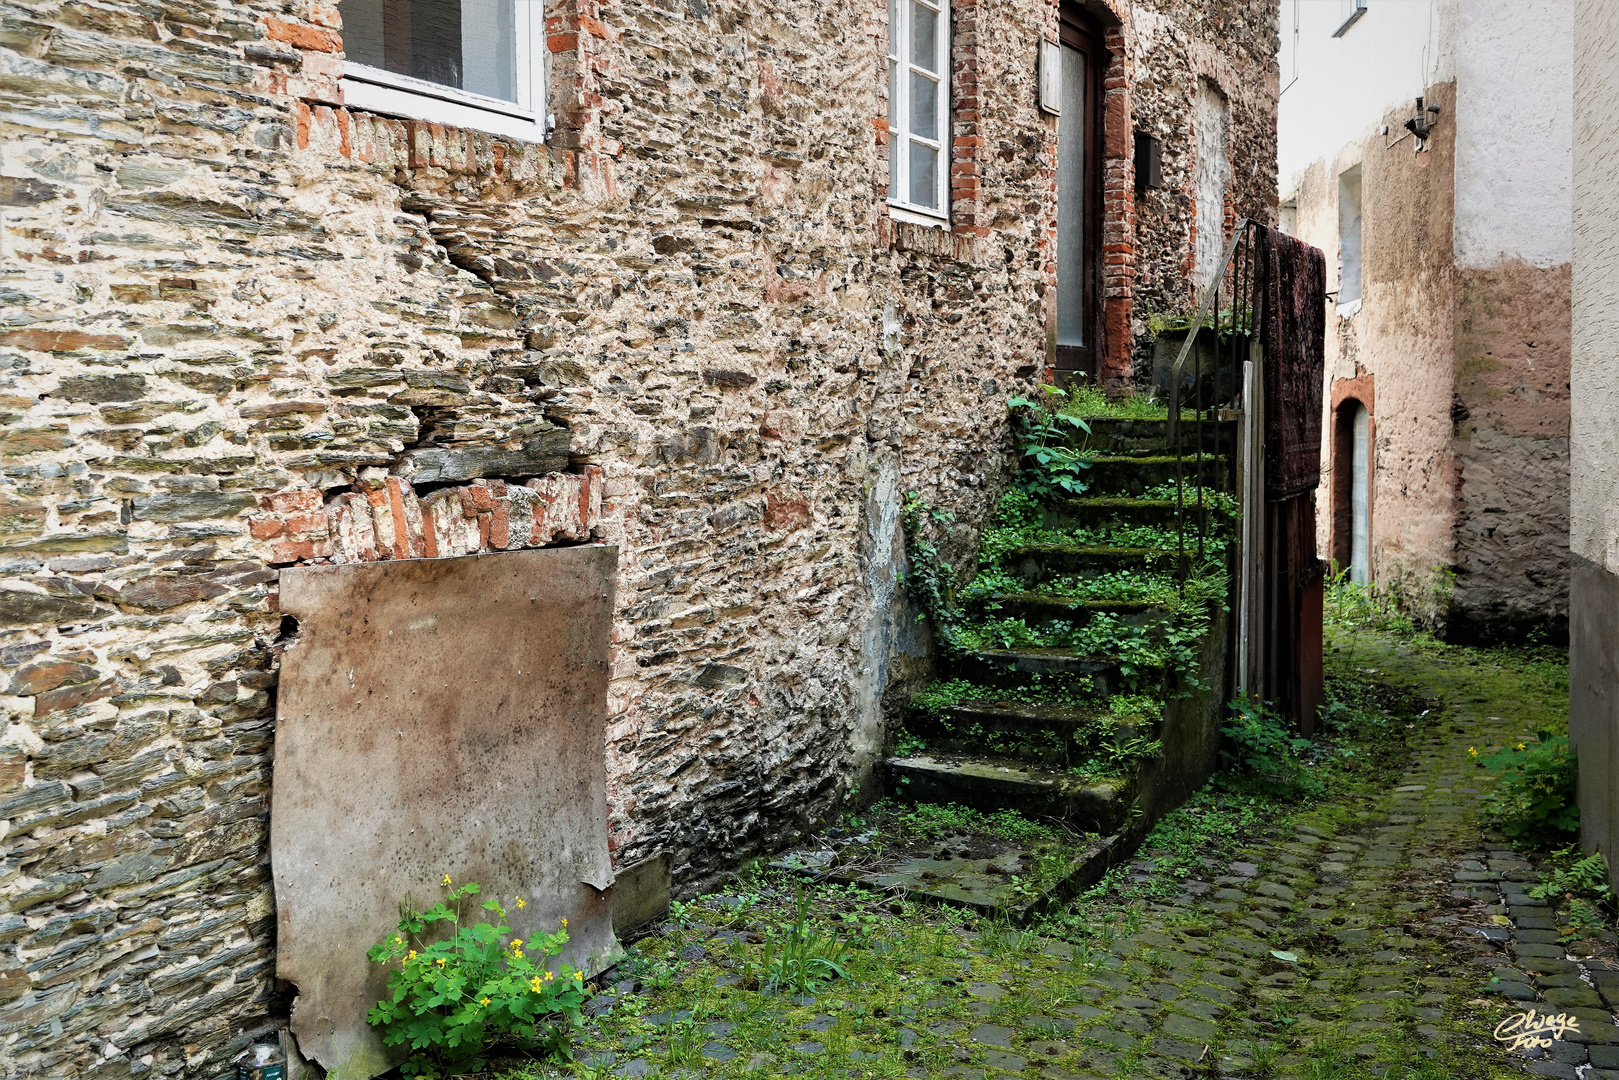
(1352, 474)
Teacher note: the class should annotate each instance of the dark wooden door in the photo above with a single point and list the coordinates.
(1079, 196)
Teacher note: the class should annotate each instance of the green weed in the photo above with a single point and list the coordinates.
(1533, 797)
(797, 958)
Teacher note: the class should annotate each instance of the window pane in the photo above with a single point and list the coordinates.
(488, 35)
(363, 33)
(893, 27)
(1071, 201)
(893, 130)
(924, 106)
(467, 44)
(924, 37)
(924, 176)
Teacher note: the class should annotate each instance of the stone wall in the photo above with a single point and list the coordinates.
(245, 327)
(1231, 49)
(1512, 413)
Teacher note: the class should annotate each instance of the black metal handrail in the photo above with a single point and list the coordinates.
(1217, 389)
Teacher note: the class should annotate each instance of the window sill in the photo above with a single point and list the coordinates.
(390, 101)
(900, 213)
(1347, 311)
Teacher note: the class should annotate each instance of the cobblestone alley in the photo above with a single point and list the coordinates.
(1381, 931)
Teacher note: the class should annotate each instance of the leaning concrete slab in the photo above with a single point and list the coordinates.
(436, 716)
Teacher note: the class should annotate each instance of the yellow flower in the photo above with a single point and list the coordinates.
(1472, 751)
(521, 904)
(535, 984)
(579, 975)
(411, 955)
(517, 943)
(564, 922)
(441, 961)
(549, 976)
(446, 881)
(1520, 746)
(485, 1001)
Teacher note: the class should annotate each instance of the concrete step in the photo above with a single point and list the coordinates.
(1035, 563)
(1105, 512)
(1115, 435)
(991, 783)
(1130, 476)
(957, 873)
(1058, 736)
(1037, 609)
(1093, 678)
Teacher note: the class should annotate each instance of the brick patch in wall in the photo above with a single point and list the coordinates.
(388, 520)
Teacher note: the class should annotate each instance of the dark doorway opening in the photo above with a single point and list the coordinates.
(1079, 195)
(1352, 490)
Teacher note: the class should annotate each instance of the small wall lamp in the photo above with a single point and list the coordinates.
(1423, 123)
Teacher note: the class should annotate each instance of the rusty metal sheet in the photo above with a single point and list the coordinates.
(436, 716)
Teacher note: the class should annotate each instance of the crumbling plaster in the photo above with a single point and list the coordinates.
(1403, 337)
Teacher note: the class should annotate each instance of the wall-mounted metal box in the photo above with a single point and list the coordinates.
(1149, 161)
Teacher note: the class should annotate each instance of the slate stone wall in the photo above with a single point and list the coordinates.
(238, 321)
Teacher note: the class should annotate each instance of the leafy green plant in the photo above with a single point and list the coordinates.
(1534, 790)
(798, 958)
(1360, 606)
(1050, 464)
(451, 998)
(930, 578)
(1089, 400)
(1575, 875)
(1262, 744)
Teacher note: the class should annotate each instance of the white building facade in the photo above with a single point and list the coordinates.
(1425, 145)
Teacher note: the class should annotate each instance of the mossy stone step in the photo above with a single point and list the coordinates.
(1110, 511)
(991, 784)
(1090, 676)
(1131, 476)
(1118, 435)
(1054, 734)
(1035, 563)
(1039, 609)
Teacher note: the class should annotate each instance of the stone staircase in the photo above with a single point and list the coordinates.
(1086, 683)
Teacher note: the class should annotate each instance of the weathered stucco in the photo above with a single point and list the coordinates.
(1401, 340)
(240, 320)
(1594, 429)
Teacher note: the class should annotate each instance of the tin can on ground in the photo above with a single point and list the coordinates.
(263, 1062)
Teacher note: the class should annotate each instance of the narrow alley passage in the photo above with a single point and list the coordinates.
(1379, 929)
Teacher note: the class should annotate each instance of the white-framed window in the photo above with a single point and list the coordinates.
(919, 107)
(1349, 13)
(1349, 241)
(468, 63)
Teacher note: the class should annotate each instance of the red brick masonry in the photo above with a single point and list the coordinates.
(389, 521)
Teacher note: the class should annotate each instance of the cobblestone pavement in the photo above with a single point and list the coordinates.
(1358, 937)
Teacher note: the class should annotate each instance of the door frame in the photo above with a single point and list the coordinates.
(1077, 30)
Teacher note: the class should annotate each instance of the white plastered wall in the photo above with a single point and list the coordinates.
(1514, 132)
(1594, 528)
(1344, 85)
